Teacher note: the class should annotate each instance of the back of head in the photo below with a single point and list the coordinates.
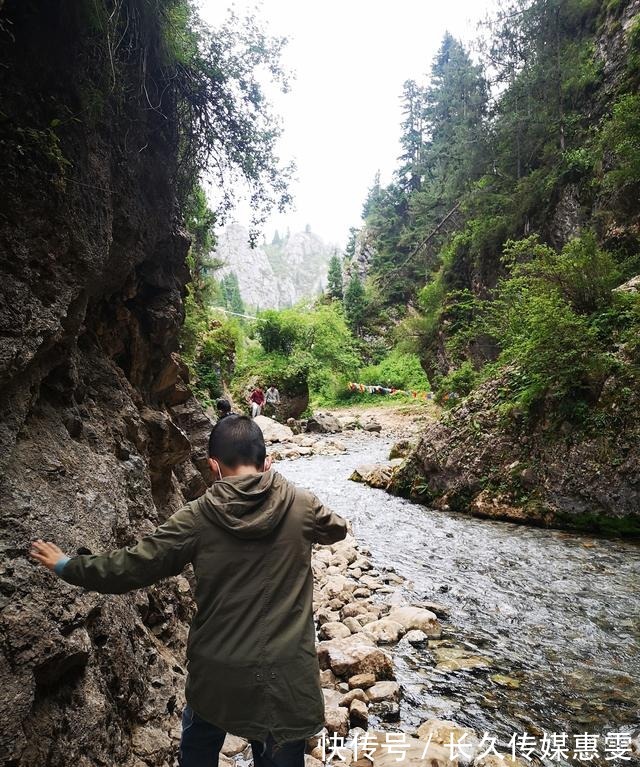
(223, 406)
(238, 441)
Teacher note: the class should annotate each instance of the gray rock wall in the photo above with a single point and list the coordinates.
(100, 439)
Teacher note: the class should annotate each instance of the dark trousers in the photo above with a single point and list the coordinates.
(201, 743)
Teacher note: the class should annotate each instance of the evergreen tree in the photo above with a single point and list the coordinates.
(334, 278)
(231, 297)
(355, 303)
(412, 136)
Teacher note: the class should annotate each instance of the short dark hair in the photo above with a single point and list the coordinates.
(237, 441)
(223, 405)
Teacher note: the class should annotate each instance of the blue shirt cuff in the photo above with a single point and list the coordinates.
(59, 565)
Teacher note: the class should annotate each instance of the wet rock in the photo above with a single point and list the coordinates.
(416, 638)
(444, 732)
(382, 691)
(412, 752)
(385, 631)
(458, 659)
(371, 424)
(358, 713)
(356, 654)
(376, 475)
(417, 618)
(387, 710)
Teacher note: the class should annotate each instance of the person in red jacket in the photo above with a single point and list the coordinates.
(256, 400)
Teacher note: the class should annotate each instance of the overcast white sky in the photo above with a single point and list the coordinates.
(342, 115)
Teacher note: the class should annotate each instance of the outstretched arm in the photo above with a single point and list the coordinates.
(329, 527)
(163, 553)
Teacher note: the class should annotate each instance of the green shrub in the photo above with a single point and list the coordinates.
(457, 383)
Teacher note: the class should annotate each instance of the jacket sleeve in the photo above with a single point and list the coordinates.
(328, 526)
(164, 552)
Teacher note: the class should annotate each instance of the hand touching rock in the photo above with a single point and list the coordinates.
(47, 554)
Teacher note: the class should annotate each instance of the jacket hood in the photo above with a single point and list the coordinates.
(248, 506)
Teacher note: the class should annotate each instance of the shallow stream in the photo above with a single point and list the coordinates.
(554, 616)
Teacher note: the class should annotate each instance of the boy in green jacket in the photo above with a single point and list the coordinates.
(252, 665)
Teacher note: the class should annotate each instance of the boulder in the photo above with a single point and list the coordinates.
(272, 431)
(333, 630)
(323, 423)
(336, 720)
(377, 475)
(385, 631)
(417, 618)
(412, 752)
(416, 638)
(384, 691)
(233, 745)
(464, 741)
(358, 714)
(362, 681)
(458, 659)
(355, 654)
(401, 449)
(370, 424)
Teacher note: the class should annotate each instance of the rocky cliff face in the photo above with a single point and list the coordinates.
(96, 415)
(276, 275)
(475, 461)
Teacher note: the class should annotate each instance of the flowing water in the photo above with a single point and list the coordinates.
(549, 619)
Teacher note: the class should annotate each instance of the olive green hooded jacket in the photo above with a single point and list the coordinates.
(252, 665)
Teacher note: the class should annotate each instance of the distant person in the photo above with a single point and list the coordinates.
(256, 400)
(223, 407)
(272, 400)
(253, 669)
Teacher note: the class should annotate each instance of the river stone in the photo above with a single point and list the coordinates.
(356, 692)
(384, 691)
(355, 654)
(353, 609)
(416, 638)
(233, 745)
(385, 630)
(387, 710)
(465, 742)
(371, 424)
(337, 720)
(499, 760)
(331, 697)
(411, 753)
(358, 713)
(333, 630)
(458, 659)
(323, 423)
(401, 449)
(352, 624)
(312, 761)
(417, 618)
(363, 681)
(272, 431)
(328, 678)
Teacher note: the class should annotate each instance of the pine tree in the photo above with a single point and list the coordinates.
(334, 278)
(355, 303)
(231, 297)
